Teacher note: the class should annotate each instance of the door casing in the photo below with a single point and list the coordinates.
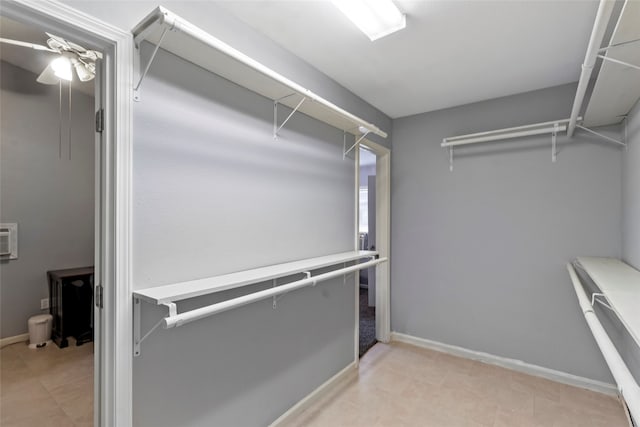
(113, 346)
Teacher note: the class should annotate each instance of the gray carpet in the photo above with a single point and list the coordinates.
(367, 323)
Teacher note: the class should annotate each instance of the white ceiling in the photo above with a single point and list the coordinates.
(451, 53)
(27, 58)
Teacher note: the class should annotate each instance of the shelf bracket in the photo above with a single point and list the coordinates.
(137, 338)
(450, 158)
(355, 144)
(617, 61)
(277, 128)
(554, 138)
(604, 49)
(344, 143)
(138, 63)
(608, 138)
(599, 301)
(277, 298)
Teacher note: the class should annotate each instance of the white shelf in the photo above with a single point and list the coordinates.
(620, 284)
(194, 288)
(198, 47)
(617, 87)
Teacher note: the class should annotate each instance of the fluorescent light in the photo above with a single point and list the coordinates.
(62, 68)
(375, 18)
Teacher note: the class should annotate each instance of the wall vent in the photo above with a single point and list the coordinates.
(9, 240)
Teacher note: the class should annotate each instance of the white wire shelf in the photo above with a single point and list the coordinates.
(178, 36)
(620, 285)
(168, 295)
(195, 288)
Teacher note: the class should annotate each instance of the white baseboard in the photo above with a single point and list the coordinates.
(12, 340)
(513, 364)
(317, 394)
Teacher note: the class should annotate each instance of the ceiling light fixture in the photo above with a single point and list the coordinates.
(375, 18)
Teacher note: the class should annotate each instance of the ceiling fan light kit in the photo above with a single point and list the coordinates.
(72, 57)
(62, 68)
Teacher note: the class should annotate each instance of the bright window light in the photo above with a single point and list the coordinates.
(62, 68)
(375, 18)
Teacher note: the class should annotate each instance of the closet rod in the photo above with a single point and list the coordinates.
(626, 383)
(175, 23)
(200, 313)
(507, 133)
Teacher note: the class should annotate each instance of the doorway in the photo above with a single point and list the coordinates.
(373, 160)
(367, 242)
(113, 327)
(50, 157)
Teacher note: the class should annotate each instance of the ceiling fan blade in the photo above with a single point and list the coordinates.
(66, 44)
(90, 55)
(48, 76)
(26, 44)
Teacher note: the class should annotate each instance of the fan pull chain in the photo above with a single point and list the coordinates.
(60, 119)
(69, 121)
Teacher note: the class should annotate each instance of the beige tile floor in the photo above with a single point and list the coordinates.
(401, 385)
(48, 387)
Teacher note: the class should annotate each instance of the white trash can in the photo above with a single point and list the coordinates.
(40, 330)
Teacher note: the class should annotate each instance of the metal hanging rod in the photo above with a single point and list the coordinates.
(506, 133)
(200, 313)
(175, 319)
(552, 127)
(627, 385)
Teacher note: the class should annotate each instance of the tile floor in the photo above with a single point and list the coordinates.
(48, 387)
(401, 385)
(398, 385)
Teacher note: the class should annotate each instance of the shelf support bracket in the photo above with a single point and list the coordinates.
(136, 88)
(554, 137)
(277, 298)
(277, 128)
(355, 144)
(450, 158)
(604, 49)
(137, 339)
(617, 61)
(599, 301)
(608, 138)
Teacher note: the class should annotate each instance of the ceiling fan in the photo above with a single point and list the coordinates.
(72, 55)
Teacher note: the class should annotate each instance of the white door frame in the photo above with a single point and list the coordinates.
(383, 240)
(113, 202)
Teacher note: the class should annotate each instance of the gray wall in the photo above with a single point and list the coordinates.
(479, 253)
(50, 198)
(213, 194)
(631, 191)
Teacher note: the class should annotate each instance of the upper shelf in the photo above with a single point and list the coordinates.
(197, 46)
(617, 87)
(620, 284)
(194, 288)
